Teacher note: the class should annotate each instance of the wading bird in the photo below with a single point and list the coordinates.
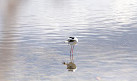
(72, 41)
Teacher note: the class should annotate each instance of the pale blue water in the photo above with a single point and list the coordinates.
(32, 47)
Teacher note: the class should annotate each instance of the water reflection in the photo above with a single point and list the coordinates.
(7, 41)
(71, 66)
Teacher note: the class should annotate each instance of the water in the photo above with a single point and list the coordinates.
(32, 40)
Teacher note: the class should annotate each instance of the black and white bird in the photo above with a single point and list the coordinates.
(72, 41)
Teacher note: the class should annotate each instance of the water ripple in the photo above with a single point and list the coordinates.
(33, 48)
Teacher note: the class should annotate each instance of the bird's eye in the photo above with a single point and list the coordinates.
(71, 37)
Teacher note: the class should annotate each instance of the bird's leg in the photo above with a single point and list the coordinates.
(70, 52)
(73, 47)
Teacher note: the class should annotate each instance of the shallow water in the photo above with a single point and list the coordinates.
(32, 39)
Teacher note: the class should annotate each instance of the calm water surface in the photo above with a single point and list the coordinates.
(32, 40)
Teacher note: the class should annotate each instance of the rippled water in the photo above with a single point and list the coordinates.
(32, 40)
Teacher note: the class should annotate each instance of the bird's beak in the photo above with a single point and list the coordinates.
(65, 41)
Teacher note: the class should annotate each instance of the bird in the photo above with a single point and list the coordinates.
(72, 41)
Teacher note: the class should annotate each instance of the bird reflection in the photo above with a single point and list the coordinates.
(71, 66)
